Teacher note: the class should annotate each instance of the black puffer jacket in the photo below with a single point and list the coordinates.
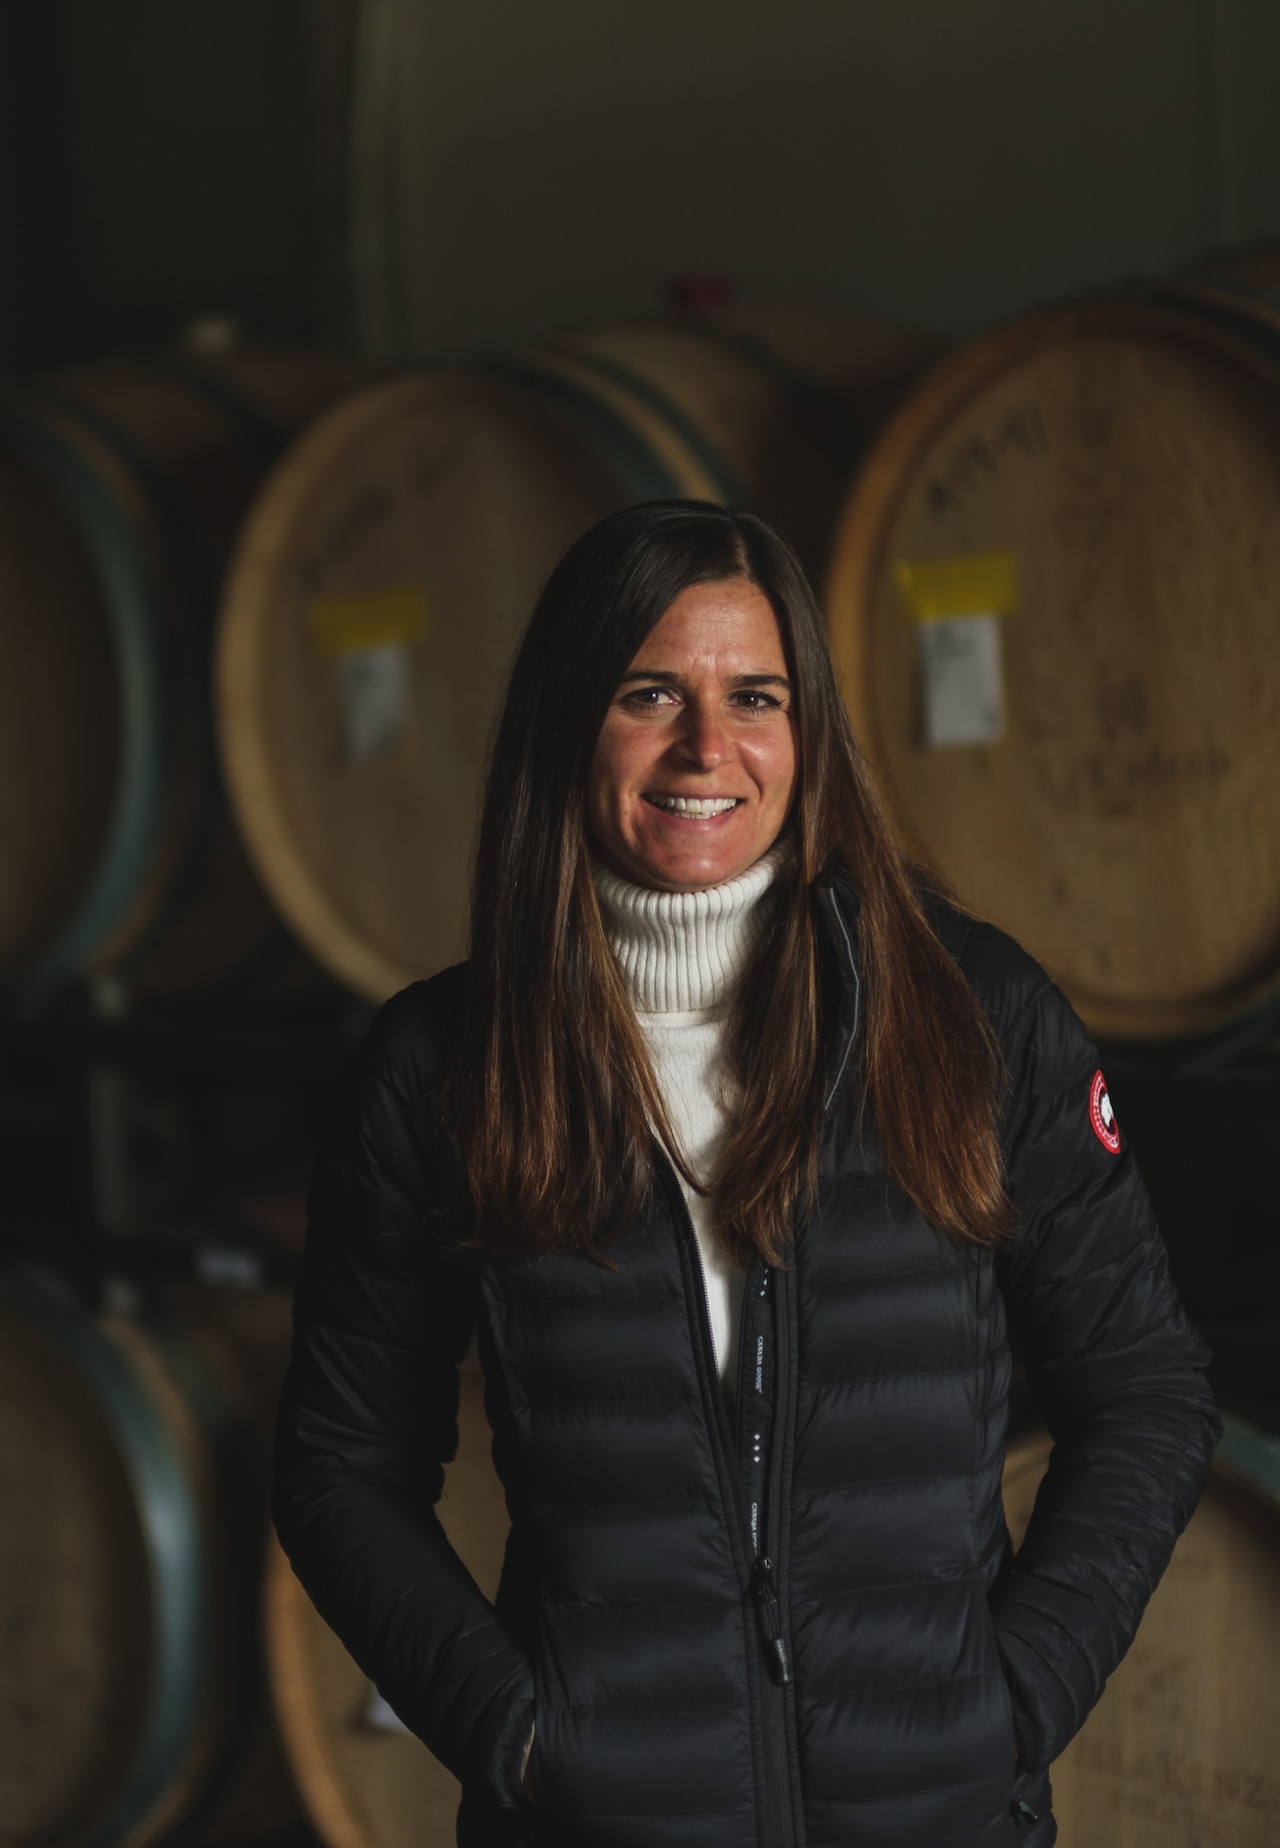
(855, 1677)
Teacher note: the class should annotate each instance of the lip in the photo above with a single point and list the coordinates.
(703, 821)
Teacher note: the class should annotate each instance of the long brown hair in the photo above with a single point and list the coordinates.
(549, 1094)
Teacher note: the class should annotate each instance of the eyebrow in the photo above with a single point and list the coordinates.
(738, 680)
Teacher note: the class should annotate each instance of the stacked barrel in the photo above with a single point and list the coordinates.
(122, 491)
(133, 1453)
(1050, 591)
(384, 574)
(255, 618)
(158, 1683)
(1053, 597)
(1049, 585)
(269, 579)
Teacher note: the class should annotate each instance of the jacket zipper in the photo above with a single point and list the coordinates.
(761, 1385)
(757, 1512)
(764, 1412)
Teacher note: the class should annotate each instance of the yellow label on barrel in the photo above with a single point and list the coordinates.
(970, 584)
(370, 619)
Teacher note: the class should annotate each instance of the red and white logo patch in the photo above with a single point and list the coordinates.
(1102, 1116)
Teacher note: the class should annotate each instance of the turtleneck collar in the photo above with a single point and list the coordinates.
(682, 952)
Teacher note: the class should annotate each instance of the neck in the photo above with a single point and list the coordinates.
(683, 952)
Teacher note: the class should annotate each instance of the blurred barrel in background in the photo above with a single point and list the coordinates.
(1180, 1751)
(384, 574)
(366, 1782)
(781, 406)
(121, 490)
(1052, 599)
(134, 1450)
(133, 1453)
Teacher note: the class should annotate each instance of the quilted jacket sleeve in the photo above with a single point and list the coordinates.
(369, 1417)
(1118, 1373)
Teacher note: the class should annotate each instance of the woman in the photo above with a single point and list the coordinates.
(744, 1156)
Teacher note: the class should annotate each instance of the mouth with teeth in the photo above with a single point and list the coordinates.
(694, 808)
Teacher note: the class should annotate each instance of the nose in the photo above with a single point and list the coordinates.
(702, 742)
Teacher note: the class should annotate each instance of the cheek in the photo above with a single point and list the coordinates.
(608, 776)
(623, 758)
(776, 768)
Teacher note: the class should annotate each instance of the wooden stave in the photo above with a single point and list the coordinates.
(159, 1460)
(227, 1349)
(646, 441)
(177, 1395)
(213, 932)
(629, 445)
(55, 648)
(140, 830)
(1247, 1460)
(1238, 325)
(172, 906)
(268, 393)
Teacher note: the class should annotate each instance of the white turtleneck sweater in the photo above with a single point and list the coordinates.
(682, 954)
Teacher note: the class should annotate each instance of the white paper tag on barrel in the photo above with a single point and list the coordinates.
(962, 680)
(957, 605)
(373, 686)
(369, 637)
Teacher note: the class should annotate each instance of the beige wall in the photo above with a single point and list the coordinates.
(523, 162)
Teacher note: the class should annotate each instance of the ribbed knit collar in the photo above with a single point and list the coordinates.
(682, 952)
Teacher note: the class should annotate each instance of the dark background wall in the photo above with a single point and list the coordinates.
(163, 159)
(920, 158)
(425, 175)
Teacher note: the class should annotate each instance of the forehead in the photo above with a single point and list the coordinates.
(729, 622)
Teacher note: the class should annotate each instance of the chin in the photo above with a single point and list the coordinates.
(691, 874)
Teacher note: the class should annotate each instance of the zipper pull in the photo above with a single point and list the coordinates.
(766, 1601)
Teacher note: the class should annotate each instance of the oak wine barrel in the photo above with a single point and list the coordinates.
(1052, 600)
(1180, 1751)
(366, 1781)
(783, 405)
(122, 487)
(133, 1458)
(389, 563)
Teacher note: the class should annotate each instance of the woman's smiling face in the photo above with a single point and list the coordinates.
(694, 768)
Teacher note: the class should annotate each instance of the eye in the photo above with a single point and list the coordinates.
(647, 699)
(755, 699)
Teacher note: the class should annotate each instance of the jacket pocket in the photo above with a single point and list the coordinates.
(502, 1786)
(996, 1666)
(1031, 1810)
